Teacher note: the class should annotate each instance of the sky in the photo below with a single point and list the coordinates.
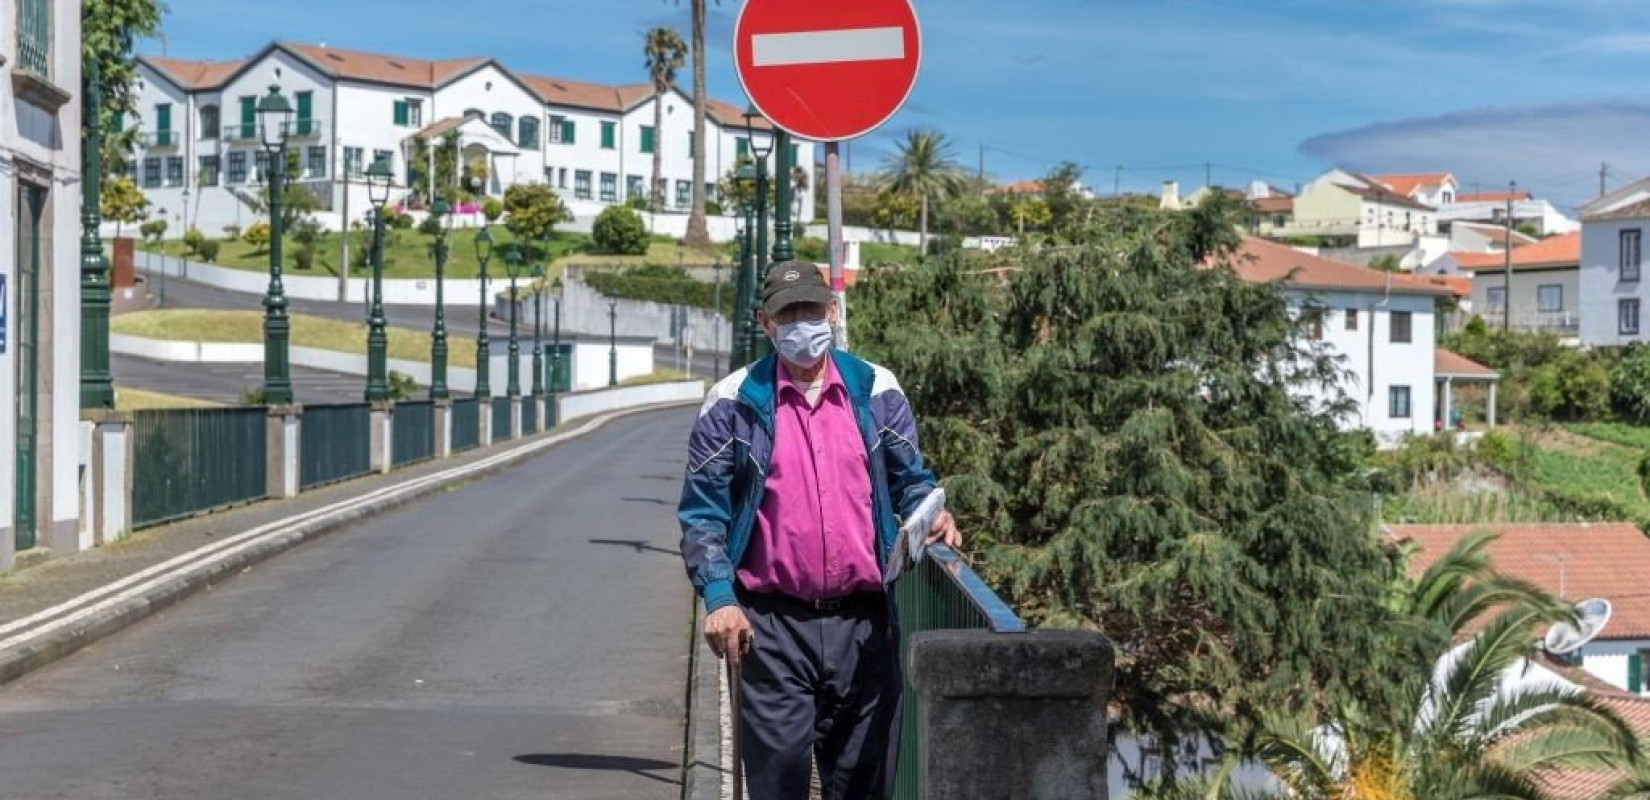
(1537, 91)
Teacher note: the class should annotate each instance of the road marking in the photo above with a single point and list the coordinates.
(827, 47)
(140, 582)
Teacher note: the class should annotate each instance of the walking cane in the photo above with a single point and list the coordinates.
(734, 686)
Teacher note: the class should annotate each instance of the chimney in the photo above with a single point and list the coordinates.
(1171, 196)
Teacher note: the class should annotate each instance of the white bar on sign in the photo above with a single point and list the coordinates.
(827, 47)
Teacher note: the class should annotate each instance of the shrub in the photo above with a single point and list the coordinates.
(637, 202)
(657, 283)
(304, 256)
(153, 230)
(256, 235)
(307, 231)
(810, 249)
(431, 226)
(1574, 386)
(713, 208)
(401, 222)
(402, 386)
(492, 210)
(1630, 385)
(207, 250)
(619, 231)
(192, 239)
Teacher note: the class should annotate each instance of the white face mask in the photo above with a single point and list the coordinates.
(804, 344)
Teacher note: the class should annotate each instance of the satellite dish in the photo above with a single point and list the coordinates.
(1591, 615)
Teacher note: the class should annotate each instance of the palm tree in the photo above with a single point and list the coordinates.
(924, 167)
(698, 234)
(665, 52)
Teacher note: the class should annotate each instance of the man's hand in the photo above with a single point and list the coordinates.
(945, 531)
(728, 633)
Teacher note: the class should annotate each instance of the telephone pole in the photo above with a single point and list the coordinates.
(1117, 180)
(1603, 175)
(1208, 174)
(1506, 272)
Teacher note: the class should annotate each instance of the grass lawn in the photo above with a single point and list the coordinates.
(407, 254)
(127, 399)
(1595, 461)
(660, 375)
(191, 325)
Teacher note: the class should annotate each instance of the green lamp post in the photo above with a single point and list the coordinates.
(556, 383)
(539, 273)
(484, 356)
(273, 114)
(379, 176)
(612, 342)
(512, 265)
(97, 389)
(440, 212)
(758, 342)
(745, 313)
(783, 219)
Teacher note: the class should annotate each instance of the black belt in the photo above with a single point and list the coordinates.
(858, 601)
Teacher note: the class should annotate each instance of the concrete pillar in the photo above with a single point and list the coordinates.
(484, 405)
(538, 414)
(108, 484)
(515, 417)
(1489, 413)
(443, 428)
(283, 440)
(383, 437)
(1011, 715)
(1449, 401)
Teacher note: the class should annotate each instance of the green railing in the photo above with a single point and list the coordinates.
(466, 425)
(413, 437)
(34, 36)
(941, 593)
(186, 461)
(501, 418)
(529, 414)
(335, 444)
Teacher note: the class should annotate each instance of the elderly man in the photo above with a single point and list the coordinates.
(799, 468)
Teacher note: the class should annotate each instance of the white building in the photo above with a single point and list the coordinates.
(200, 158)
(1345, 204)
(1545, 285)
(1491, 208)
(40, 112)
(1612, 265)
(1435, 189)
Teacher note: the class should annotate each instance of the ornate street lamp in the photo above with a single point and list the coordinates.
(612, 342)
(97, 389)
(744, 308)
(440, 211)
(379, 176)
(484, 253)
(512, 264)
(555, 353)
(540, 271)
(758, 343)
(273, 113)
(716, 317)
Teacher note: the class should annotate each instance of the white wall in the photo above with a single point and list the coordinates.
(1601, 285)
(1393, 364)
(1523, 303)
(574, 406)
(1607, 659)
(490, 90)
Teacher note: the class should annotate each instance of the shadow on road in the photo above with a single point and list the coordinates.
(638, 544)
(590, 761)
(658, 501)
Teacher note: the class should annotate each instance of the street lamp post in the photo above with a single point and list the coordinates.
(612, 343)
(379, 176)
(97, 390)
(783, 250)
(484, 253)
(538, 332)
(745, 312)
(555, 353)
(759, 343)
(512, 266)
(716, 320)
(273, 113)
(440, 212)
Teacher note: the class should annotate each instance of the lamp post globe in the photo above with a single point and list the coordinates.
(379, 177)
(441, 212)
(484, 254)
(273, 112)
(513, 262)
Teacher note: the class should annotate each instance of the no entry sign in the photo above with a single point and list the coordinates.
(831, 70)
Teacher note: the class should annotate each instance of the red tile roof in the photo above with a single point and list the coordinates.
(1407, 184)
(1018, 187)
(1378, 193)
(380, 68)
(1581, 783)
(1262, 261)
(1448, 364)
(195, 74)
(1561, 251)
(1458, 286)
(1604, 560)
(1490, 197)
(1274, 205)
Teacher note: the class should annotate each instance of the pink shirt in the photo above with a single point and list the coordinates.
(813, 537)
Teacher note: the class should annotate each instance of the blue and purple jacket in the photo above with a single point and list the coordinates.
(730, 452)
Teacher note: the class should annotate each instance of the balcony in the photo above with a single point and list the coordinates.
(241, 133)
(296, 130)
(34, 38)
(303, 129)
(159, 139)
(1566, 324)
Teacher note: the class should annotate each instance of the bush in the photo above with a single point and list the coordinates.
(307, 231)
(492, 210)
(810, 249)
(207, 250)
(304, 256)
(619, 231)
(153, 230)
(257, 235)
(192, 239)
(1630, 385)
(431, 226)
(401, 222)
(657, 283)
(637, 202)
(713, 208)
(402, 386)
(1574, 386)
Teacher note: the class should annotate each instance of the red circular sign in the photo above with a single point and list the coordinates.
(828, 71)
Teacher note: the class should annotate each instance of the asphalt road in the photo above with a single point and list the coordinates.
(224, 383)
(524, 636)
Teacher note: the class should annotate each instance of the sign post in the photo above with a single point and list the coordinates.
(829, 72)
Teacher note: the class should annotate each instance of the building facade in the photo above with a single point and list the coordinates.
(1542, 293)
(1491, 208)
(200, 159)
(40, 169)
(1613, 296)
(1435, 189)
(1346, 205)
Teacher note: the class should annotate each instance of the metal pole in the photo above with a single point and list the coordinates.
(555, 354)
(438, 345)
(747, 276)
(97, 390)
(484, 354)
(833, 221)
(1506, 272)
(378, 387)
(759, 343)
(277, 325)
(782, 247)
(538, 341)
(612, 343)
(513, 386)
(716, 352)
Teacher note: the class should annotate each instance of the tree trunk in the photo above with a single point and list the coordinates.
(698, 235)
(923, 230)
(658, 193)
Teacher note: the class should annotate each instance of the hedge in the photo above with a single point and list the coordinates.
(661, 284)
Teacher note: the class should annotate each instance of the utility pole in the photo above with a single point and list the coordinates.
(1506, 272)
(982, 168)
(1117, 180)
(1208, 174)
(1603, 175)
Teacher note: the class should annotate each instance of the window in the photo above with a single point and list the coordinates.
(1278, 221)
(556, 125)
(163, 124)
(260, 166)
(151, 173)
(1496, 298)
(305, 125)
(1627, 316)
(401, 114)
(610, 135)
(528, 135)
(1449, 197)
(34, 36)
(647, 139)
(1632, 253)
(742, 147)
(237, 167)
(684, 193)
(1549, 298)
(1401, 333)
(1312, 322)
(209, 122)
(248, 128)
(386, 155)
(1635, 671)
(634, 187)
(415, 113)
(353, 158)
(502, 123)
(474, 113)
(317, 167)
(1397, 404)
(1352, 319)
(568, 131)
(562, 178)
(208, 170)
(581, 184)
(174, 171)
(610, 188)
(693, 145)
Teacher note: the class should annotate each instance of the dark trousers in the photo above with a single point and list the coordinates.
(820, 684)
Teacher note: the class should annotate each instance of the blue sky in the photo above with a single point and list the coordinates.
(1540, 91)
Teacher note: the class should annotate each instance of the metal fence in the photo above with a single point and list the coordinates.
(413, 434)
(335, 444)
(501, 418)
(529, 414)
(941, 593)
(466, 424)
(186, 461)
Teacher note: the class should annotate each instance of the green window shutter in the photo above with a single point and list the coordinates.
(163, 117)
(401, 112)
(609, 135)
(306, 102)
(249, 117)
(647, 138)
(567, 131)
(1635, 673)
(742, 147)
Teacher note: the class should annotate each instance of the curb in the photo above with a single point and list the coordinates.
(39, 650)
(702, 770)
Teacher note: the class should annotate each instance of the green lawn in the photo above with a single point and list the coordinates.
(128, 399)
(191, 325)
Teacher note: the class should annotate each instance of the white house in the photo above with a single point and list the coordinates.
(1379, 325)
(1545, 285)
(1345, 204)
(1491, 208)
(1612, 265)
(40, 169)
(200, 160)
(1433, 189)
(1481, 237)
